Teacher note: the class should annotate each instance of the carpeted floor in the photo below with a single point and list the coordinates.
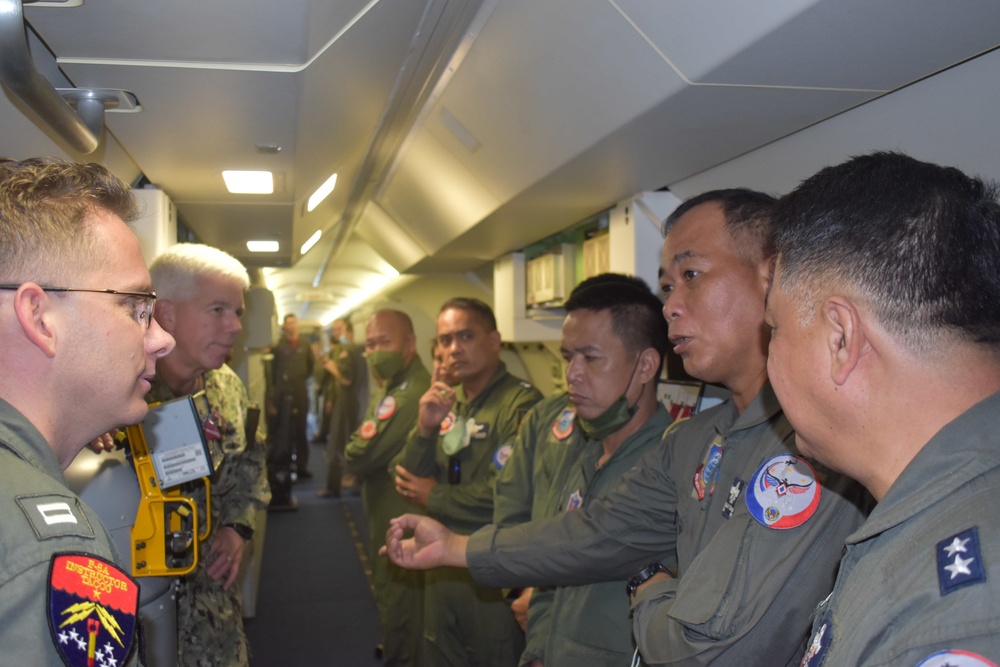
(314, 607)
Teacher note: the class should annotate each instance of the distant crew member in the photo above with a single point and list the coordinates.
(345, 379)
(287, 402)
(201, 303)
(78, 348)
(462, 440)
(391, 348)
(572, 450)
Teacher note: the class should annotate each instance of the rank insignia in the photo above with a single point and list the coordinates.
(367, 430)
(574, 501)
(92, 610)
(563, 427)
(958, 561)
(956, 659)
(386, 408)
(783, 492)
(447, 423)
(501, 456)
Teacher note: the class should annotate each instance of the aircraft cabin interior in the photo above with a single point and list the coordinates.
(417, 150)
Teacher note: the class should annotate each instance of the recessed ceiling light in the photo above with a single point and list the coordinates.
(249, 182)
(321, 193)
(307, 246)
(262, 246)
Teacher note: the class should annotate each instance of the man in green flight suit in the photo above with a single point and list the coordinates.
(462, 440)
(200, 290)
(573, 448)
(345, 377)
(391, 348)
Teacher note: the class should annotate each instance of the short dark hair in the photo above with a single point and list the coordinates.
(636, 313)
(748, 219)
(480, 309)
(920, 243)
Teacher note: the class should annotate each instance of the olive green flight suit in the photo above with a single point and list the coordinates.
(557, 465)
(391, 415)
(41, 518)
(464, 624)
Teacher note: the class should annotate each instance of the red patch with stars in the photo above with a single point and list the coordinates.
(92, 610)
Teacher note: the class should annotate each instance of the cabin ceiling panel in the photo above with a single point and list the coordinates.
(230, 226)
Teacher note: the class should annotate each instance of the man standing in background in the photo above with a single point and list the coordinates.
(391, 347)
(345, 377)
(449, 465)
(200, 292)
(288, 397)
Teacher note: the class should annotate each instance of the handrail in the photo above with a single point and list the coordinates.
(19, 75)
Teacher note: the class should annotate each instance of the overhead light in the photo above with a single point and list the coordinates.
(307, 246)
(321, 193)
(262, 246)
(249, 182)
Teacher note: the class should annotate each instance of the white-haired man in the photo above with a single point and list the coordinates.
(200, 291)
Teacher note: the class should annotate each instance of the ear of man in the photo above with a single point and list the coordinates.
(35, 313)
(845, 337)
(649, 365)
(166, 313)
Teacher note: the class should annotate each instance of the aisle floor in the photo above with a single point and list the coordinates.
(315, 605)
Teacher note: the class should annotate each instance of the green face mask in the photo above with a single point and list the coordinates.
(612, 419)
(385, 363)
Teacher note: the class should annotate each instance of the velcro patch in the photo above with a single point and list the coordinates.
(55, 515)
(92, 610)
(956, 659)
(501, 455)
(563, 426)
(959, 563)
(783, 493)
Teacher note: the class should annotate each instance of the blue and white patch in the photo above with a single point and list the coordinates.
(501, 455)
(959, 563)
(819, 643)
(563, 426)
(574, 501)
(956, 659)
(783, 493)
(386, 408)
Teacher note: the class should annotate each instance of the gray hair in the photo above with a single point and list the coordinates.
(176, 270)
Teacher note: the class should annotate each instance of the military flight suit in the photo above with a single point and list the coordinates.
(210, 619)
(919, 583)
(344, 418)
(463, 623)
(291, 368)
(574, 625)
(391, 415)
(745, 590)
(45, 530)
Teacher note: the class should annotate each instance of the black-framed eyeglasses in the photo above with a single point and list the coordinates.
(142, 308)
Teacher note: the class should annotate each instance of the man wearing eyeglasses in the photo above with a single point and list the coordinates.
(201, 303)
(78, 352)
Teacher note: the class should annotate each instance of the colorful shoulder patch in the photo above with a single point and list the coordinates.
(563, 426)
(708, 471)
(386, 408)
(958, 561)
(92, 610)
(501, 456)
(819, 643)
(956, 659)
(783, 493)
(367, 430)
(574, 501)
(447, 423)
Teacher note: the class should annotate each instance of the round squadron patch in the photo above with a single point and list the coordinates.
(956, 659)
(386, 408)
(92, 610)
(501, 456)
(783, 493)
(574, 501)
(447, 423)
(367, 430)
(563, 426)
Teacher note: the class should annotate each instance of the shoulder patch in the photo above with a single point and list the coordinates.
(501, 456)
(92, 607)
(447, 423)
(367, 430)
(956, 659)
(55, 515)
(386, 408)
(783, 493)
(574, 501)
(959, 563)
(562, 427)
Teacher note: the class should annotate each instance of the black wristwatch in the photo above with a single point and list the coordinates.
(243, 530)
(644, 575)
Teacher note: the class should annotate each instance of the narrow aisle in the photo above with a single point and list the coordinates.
(315, 607)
